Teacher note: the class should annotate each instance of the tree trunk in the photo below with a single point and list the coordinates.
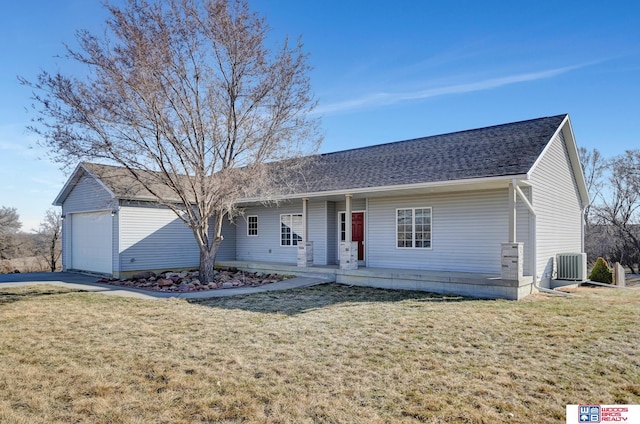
(52, 253)
(207, 262)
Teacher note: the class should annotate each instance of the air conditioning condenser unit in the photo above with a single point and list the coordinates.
(571, 266)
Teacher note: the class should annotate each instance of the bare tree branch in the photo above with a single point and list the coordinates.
(186, 95)
(49, 243)
(619, 210)
(9, 226)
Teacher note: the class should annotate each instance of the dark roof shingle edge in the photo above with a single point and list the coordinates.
(498, 150)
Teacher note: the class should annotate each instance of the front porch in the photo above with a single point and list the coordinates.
(447, 282)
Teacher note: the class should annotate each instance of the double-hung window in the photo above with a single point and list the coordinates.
(290, 229)
(252, 225)
(413, 228)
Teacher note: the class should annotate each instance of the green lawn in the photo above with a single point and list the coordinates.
(325, 354)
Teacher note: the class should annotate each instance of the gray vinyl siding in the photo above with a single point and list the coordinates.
(65, 234)
(153, 237)
(523, 230)
(356, 205)
(227, 249)
(558, 210)
(115, 240)
(332, 233)
(87, 195)
(318, 230)
(266, 245)
(467, 232)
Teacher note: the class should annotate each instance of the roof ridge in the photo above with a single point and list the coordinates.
(440, 135)
(498, 150)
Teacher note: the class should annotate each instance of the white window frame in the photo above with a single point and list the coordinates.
(249, 225)
(343, 214)
(293, 240)
(413, 228)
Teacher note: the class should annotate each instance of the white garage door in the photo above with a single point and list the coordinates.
(91, 241)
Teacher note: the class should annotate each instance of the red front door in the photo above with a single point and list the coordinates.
(357, 232)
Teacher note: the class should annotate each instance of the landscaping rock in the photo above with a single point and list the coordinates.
(183, 287)
(145, 275)
(164, 282)
(187, 281)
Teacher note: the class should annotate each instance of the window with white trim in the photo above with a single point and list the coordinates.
(413, 228)
(290, 229)
(252, 225)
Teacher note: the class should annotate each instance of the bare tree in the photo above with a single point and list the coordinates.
(9, 226)
(49, 244)
(619, 211)
(593, 166)
(190, 99)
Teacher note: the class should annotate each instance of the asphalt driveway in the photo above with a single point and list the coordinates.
(86, 282)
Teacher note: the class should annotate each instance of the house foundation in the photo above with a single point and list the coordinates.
(470, 284)
(305, 254)
(348, 255)
(512, 259)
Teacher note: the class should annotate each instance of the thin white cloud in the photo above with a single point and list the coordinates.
(385, 99)
(52, 183)
(7, 145)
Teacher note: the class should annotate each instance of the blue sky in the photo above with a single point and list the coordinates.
(383, 71)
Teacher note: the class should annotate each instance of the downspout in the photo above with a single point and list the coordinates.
(534, 265)
(584, 223)
(535, 268)
(613, 286)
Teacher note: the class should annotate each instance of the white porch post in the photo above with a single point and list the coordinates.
(348, 220)
(305, 247)
(348, 248)
(305, 220)
(512, 251)
(512, 211)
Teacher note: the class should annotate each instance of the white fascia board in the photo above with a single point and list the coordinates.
(113, 195)
(578, 173)
(453, 183)
(73, 180)
(66, 188)
(574, 158)
(547, 147)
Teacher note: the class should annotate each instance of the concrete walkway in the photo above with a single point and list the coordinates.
(86, 282)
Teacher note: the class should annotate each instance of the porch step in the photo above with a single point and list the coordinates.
(327, 274)
(569, 284)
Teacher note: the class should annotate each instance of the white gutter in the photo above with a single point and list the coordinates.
(525, 200)
(582, 233)
(534, 265)
(364, 190)
(613, 286)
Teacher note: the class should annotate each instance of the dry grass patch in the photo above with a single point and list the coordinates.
(320, 355)
(24, 264)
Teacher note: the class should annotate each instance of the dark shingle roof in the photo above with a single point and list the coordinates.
(124, 186)
(501, 150)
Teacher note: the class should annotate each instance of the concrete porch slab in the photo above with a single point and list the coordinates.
(472, 284)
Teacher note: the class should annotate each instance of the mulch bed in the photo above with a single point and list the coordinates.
(189, 281)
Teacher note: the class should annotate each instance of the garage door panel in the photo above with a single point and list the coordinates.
(91, 241)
